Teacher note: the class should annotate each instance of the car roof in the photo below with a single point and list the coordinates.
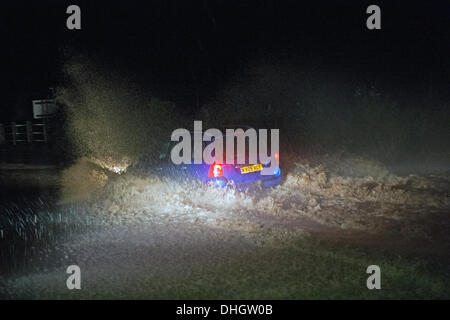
(222, 129)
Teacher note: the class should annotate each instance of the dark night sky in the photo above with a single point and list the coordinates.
(178, 48)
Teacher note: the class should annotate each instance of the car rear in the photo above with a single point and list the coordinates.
(245, 175)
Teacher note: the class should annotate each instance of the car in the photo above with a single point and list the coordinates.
(221, 174)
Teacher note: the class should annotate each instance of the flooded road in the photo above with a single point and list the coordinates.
(152, 237)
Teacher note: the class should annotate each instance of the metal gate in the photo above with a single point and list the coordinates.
(24, 132)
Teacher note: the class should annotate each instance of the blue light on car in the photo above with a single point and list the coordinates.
(277, 171)
(220, 182)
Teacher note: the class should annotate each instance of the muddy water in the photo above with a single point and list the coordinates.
(136, 225)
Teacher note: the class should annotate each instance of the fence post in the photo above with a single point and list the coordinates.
(13, 132)
(29, 132)
(2, 134)
(44, 128)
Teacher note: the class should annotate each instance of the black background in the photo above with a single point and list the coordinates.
(184, 51)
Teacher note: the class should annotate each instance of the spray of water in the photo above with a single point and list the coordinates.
(110, 122)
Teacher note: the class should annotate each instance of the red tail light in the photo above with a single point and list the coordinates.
(215, 170)
(277, 158)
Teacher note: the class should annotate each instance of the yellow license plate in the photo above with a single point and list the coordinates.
(253, 168)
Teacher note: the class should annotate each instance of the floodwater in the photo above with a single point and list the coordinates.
(128, 230)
